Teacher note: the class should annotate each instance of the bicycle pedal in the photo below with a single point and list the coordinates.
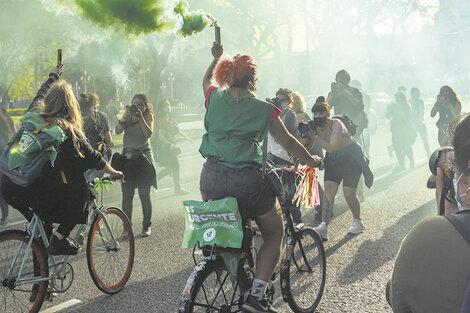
(50, 294)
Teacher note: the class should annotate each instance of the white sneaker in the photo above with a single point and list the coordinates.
(322, 230)
(356, 227)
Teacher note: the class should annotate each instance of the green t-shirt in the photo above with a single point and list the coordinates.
(235, 130)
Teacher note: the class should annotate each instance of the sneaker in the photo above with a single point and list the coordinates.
(299, 226)
(322, 231)
(146, 231)
(3, 221)
(356, 227)
(34, 293)
(257, 306)
(81, 239)
(63, 246)
(181, 191)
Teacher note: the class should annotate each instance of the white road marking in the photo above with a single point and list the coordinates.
(62, 306)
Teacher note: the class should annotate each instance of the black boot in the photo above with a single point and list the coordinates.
(63, 246)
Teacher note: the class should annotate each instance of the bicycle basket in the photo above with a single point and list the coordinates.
(212, 223)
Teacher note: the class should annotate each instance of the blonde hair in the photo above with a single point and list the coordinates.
(298, 103)
(60, 107)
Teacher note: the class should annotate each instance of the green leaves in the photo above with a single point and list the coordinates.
(102, 184)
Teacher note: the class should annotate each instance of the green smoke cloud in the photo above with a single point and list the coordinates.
(136, 16)
(146, 16)
(193, 21)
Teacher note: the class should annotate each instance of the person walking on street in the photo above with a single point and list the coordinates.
(417, 116)
(167, 150)
(403, 131)
(448, 106)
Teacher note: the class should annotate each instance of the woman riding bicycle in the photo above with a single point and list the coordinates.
(60, 194)
(236, 122)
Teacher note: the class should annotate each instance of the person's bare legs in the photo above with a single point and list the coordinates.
(353, 201)
(272, 230)
(331, 188)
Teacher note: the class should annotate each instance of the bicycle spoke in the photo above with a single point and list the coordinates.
(110, 261)
(306, 272)
(15, 298)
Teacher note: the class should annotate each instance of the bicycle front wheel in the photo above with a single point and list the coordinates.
(110, 261)
(303, 277)
(27, 295)
(211, 290)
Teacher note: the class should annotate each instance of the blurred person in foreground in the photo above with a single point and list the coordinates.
(432, 271)
(449, 106)
(236, 123)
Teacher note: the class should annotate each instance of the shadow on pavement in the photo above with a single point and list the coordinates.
(152, 295)
(371, 255)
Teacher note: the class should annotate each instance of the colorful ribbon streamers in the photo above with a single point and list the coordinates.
(307, 190)
(101, 184)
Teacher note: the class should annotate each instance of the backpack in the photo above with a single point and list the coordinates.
(350, 125)
(94, 132)
(30, 149)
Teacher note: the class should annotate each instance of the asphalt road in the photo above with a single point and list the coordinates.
(358, 267)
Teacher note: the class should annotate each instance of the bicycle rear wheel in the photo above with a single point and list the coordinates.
(110, 264)
(212, 290)
(303, 277)
(16, 297)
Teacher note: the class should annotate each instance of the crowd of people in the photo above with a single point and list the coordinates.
(242, 131)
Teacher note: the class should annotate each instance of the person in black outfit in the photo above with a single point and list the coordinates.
(96, 128)
(61, 194)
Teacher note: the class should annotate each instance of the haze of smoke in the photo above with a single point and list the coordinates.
(136, 16)
(146, 16)
(193, 21)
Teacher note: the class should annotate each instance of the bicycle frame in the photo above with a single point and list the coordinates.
(36, 229)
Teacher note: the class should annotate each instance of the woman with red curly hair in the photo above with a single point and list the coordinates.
(236, 123)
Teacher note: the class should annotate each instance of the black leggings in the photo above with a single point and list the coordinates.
(128, 191)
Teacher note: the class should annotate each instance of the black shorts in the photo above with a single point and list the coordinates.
(344, 169)
(248, 185)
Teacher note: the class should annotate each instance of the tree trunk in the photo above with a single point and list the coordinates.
(160, 61)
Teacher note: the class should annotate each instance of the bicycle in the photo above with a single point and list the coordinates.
(221, 281)
(25, 265)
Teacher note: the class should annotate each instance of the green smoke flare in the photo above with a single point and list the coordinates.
(145, 16)
(136, 16)
(193, 21)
